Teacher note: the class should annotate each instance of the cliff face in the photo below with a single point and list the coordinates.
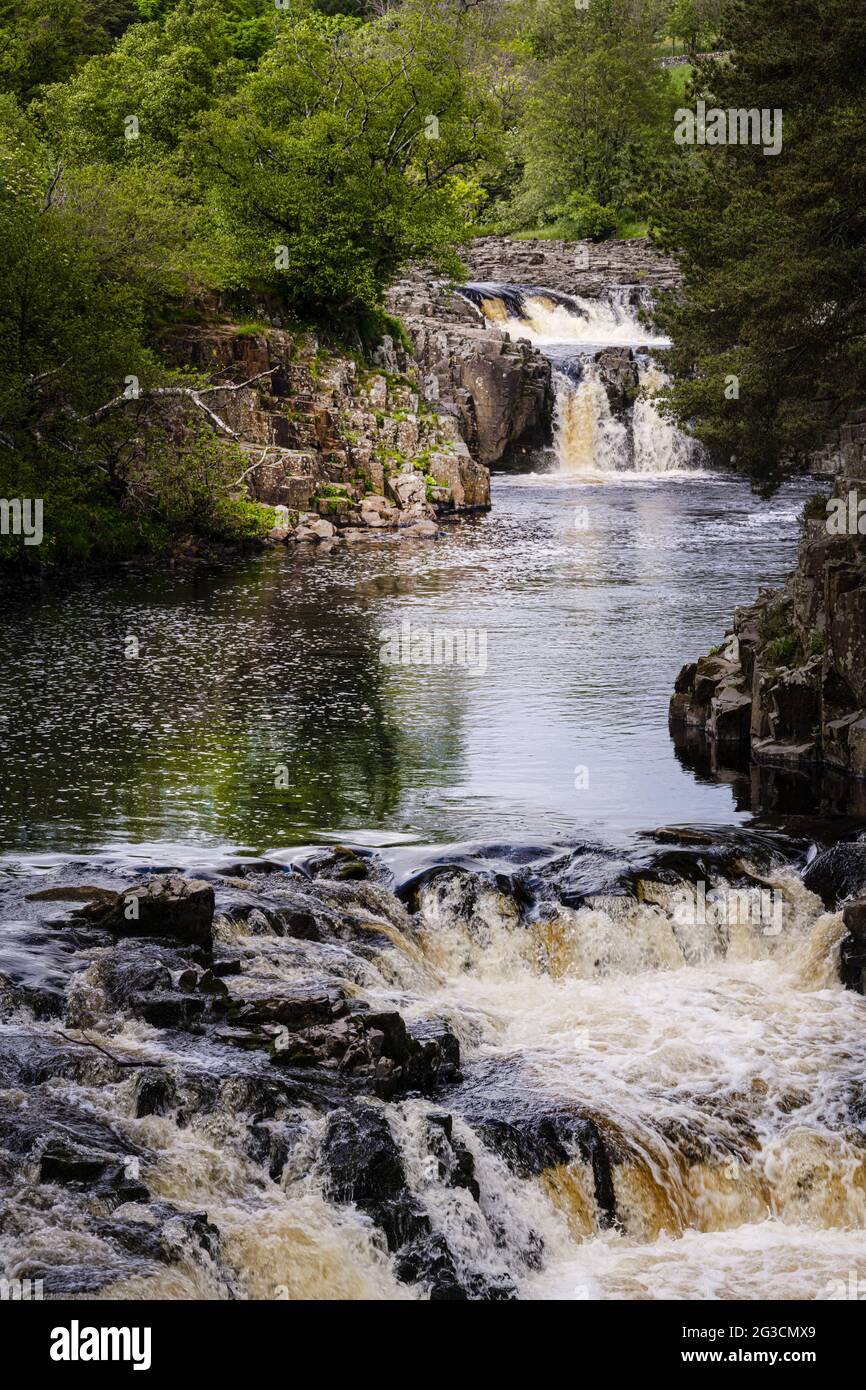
(499, 389)
(336, 444)
(788, 685)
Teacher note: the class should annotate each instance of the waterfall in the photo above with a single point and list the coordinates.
(587, 437)
(593, 433)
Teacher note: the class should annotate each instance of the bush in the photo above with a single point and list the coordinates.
(582, 218)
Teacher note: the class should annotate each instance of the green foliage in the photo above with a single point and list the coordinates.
(44, 41)
(697, 22)
(592, 132)
(93, 257)
(784, 651)
(164, 75)
(773, 248)
(816, 507)
(317, 173)
(580, 217)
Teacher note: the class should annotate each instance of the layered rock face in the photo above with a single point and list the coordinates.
(572, 267)
(789, 683)
(500, 389)
(336, 445)
(344, 448)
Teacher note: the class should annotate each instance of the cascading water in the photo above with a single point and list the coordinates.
(592, 435)
(649, 1103)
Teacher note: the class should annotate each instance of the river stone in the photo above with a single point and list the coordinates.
(172, 906)
(421, 531)
(408, 488)
(838, 873)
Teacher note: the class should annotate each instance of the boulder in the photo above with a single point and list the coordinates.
(421, 531)
(838, 873)
(408, 487)
(171, 906)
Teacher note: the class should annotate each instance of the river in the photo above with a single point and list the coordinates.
(682, 1104)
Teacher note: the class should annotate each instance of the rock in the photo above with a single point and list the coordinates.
(169, 906)
(854, 917)
(377, 393)
(408, 488)
(295, 1009)
(167, 1010)
(420, 530)
(730, 715)
(155, 1093)
(65, 1162)
(323, 530)
(838, 873)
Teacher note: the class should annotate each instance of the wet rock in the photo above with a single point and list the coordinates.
(429, 1261)
(295, 1008)
(155, 1093)
(272, 1142)
(63, 1161)
(421, 1059)
(853, 947)
(167, 1010)
(531, 1136)
(420, 530)
(171, 906)
(838, 873)
(455, 1162)
(362, 1164)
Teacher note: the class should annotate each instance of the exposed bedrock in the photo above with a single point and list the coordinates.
(787, 687)
(500, 388)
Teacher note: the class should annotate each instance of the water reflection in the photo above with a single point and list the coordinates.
(258, 710)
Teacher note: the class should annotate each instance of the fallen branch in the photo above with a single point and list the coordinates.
(120, 1061)
(251, 469)
(192, 393)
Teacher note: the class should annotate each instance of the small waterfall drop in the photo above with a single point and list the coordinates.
(597, 428)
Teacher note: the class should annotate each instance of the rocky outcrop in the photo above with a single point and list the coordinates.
(336, 445)
(583, 268)
(498, 390)
(346, 448)
(788, 685)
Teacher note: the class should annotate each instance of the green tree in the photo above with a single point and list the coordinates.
(350, 150)
(92, 258)
(594, 127)
(138, 102)
(769, 329)
(44, 41)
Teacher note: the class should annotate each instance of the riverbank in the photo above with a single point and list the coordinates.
(399, 438)
(787, 686)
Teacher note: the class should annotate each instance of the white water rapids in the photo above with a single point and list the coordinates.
(721, 1067)
(590, 437)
